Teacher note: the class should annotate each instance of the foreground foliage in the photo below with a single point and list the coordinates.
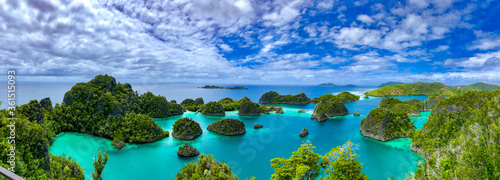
(461, 139)
(206, 167)
(340, 163)
(99, 163)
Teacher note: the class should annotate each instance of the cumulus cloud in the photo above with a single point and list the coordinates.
(365, 18)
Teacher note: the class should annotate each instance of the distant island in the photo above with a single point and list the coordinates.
(335, 85)
(390, 83)
(275, 98)
(480, 86)
(417, 88)
(219, 87)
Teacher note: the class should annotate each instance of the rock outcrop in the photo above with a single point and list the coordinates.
(324, 110)
(301, 111)
(279, 110)
(431, 102)
(186, 129)
(228, 127)
(257, 126)
(187, 151)
(304, 132)
(118, 144)
(356, 114)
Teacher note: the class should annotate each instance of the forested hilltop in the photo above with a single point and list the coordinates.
(461, 139)
(417, 88)
(480, 86)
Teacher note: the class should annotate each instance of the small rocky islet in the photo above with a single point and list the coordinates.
(187, 151)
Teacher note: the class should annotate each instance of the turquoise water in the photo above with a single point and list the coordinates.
(249, 154)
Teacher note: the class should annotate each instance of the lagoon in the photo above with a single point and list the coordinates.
(249, 154)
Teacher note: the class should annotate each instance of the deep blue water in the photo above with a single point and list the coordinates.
(249, 154)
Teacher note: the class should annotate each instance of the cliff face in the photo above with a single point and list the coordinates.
(275, 98)
(324, 110)
(385, 125)
(248, 108)
(229, 127)
(431, 102)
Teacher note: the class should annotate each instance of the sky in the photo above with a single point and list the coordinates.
(306, 42)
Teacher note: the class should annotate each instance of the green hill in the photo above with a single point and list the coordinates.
(417, 88)
(390, 83)
(480, 86)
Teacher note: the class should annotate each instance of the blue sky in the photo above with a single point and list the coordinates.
(252, 42)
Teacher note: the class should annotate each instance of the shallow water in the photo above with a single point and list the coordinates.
(250, 154)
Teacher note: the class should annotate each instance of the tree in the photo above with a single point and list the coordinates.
(303, 164)
(343, 163)
(99, 163)
(339, 163)
(206, 168)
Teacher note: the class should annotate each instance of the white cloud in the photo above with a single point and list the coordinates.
(365, 18)
(284, 14)
(325, 5)
(225, 47)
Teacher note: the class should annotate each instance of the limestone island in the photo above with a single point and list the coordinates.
(228, 127)
(390, 119)
(385, 125)
(187, 151)
(356, 114)
(342, 97)
(480, 86)
(324, 110)
(219, 87)
(417, 88)
(186, 129)
(248, 108)
(275, 98)
(213, 108)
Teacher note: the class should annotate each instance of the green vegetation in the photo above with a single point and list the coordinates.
(480, 86)
(206, 168)
(410, 107)
(229, 104)
(190, 105)
(158, 106)
(33, 159)
(461, 138)
(275, 98)
(384, 125)
(417, 88)
(199, 101)
(342, 97)
(186, 129)
(324, 110)
(213, 108)
(228, 127)
(339, 163)
(249, 108)
(432, 101)
(390, 83)
(99, 163)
